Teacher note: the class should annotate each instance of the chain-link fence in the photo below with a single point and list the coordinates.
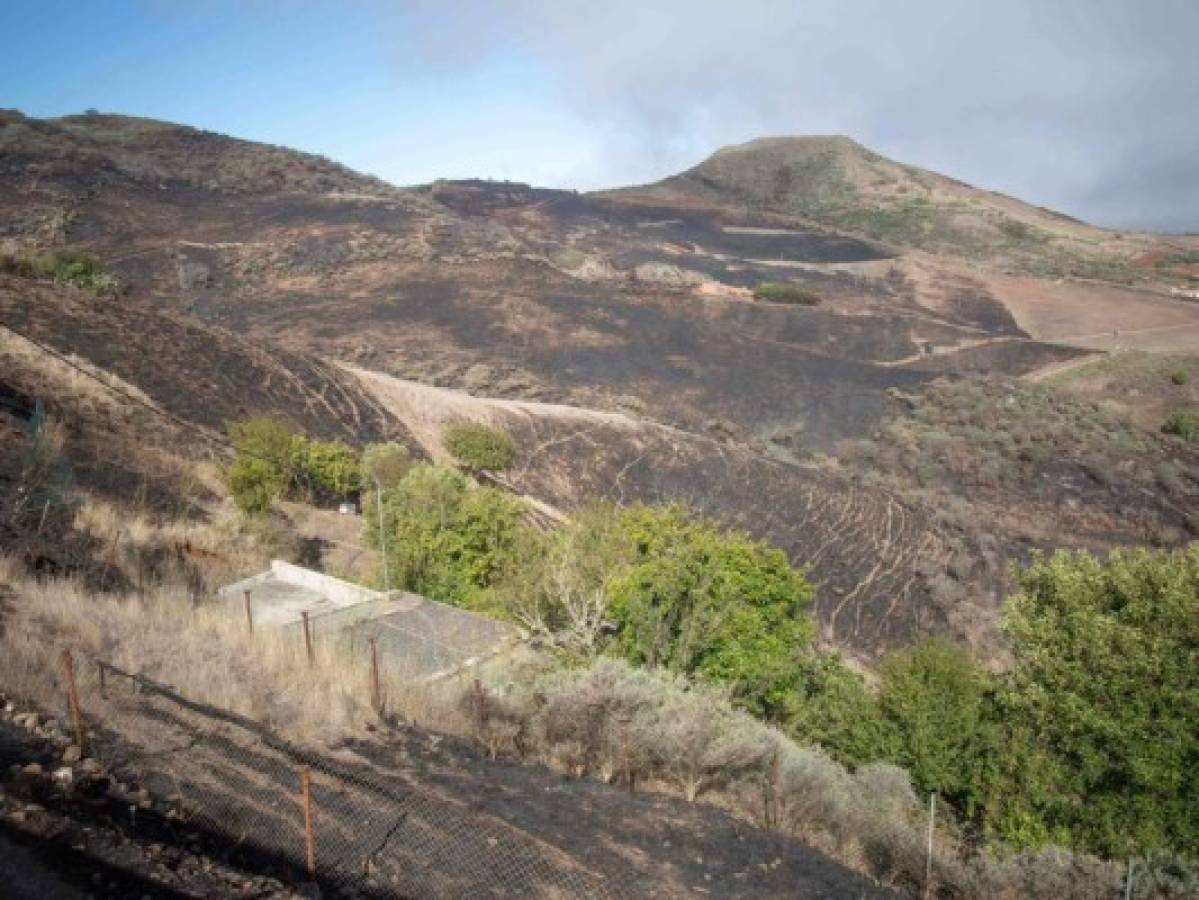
(365, 833)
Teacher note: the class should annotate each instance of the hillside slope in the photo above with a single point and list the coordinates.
(251, 269)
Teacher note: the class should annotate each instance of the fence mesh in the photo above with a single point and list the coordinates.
(374, 835)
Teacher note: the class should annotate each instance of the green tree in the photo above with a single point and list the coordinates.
(263, 469)
(701, 601)
(559, 584)
(832, 709)
(932, 701)
(384, 465)
(1106, 683)
(323, 469)
(447, 539)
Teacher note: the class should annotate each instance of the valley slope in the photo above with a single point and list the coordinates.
(617, 337)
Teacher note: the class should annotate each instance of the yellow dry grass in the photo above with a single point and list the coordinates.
(205, 652)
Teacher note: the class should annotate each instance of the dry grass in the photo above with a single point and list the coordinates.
(19, 355)
(203, 651)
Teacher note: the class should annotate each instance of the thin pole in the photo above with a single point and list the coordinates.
(624, 752)
(249, 613)
(776, 789)
(308, 639)
(1128, 883)
(68, 665)
(309, 838)
(928, 861)
(376, 688)
(382, 535)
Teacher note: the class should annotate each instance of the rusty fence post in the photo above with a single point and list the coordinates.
(68, 664)
(249, 613)
(308, 639)
(776, 790)
(624, 752)
(376, 687)
(309, 837)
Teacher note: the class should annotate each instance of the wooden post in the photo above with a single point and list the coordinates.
(102, 673)
(776, 789)
(309, 837)
(68, 665)
(376, 687)
(308, 639)
(624, 752)
(249, 613)
(928, 861)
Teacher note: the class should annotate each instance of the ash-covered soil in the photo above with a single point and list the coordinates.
(178, 800)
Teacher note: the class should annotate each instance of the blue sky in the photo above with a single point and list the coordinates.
(1082, 105)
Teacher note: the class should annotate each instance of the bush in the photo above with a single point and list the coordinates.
(1178, 376)
(74, 267)
(932, 703)
(445, 538)
(1098, 722)
(324, 469)
(480, 448)
(1184, 423)
(263, 469)
(701, 601)
(384, 465)
(785, 292)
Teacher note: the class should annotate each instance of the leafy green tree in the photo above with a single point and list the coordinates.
(932, 702)
(559, 584)
(445, 538)
(701, 601)
(480, 448)
(1105, 683)
(384, 465)
(263, 469)
(832, 709)
(325, 468)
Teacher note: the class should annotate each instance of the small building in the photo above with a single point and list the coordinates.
(422, 638)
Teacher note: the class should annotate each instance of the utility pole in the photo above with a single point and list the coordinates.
(382, 535)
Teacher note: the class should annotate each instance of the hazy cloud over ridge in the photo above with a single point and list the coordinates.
(1090, 107)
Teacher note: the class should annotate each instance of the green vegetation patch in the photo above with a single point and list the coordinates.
(786, 292)
(480, 448)
(274, 460)
(74, 267)
(1184, 423)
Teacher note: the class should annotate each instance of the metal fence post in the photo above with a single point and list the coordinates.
(928, 860)
(624, 752)
(376, 687)
(308, 639)
(309, 837)
(249, 613)
(68, 665)
(776, 789)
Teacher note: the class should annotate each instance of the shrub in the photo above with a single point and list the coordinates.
(263, 468)
(1184, 423)
(66, 266)
(785, 292)
(385, 465)
(701, 601)
(324, 469)
(445, 538)
(254, 484)
(1178, 376)
(1113, 773)
(479, 447)
(931, 700)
